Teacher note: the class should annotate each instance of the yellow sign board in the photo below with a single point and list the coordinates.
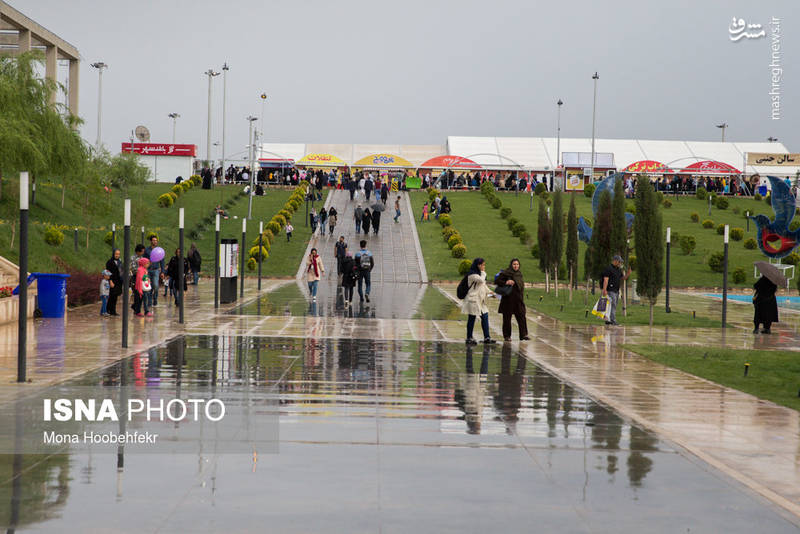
(320, 159)
(383, 160)
(773, 160)
(574, 181)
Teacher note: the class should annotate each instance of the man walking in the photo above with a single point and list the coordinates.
(339, 252)
(364, 262)
(397, 209)
(155, 270)
(358, 213)
(611, 279)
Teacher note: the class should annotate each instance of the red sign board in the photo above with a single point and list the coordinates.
(647, 165)
(710, 167)
(450, 162)
(161, 149)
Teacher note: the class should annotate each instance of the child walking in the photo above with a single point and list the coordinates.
(289, 230)
(105, 291)
(397, 209)
(425, 212)
(142, 290)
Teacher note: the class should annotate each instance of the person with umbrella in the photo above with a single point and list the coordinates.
(765, 305)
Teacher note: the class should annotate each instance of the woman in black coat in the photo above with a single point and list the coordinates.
(513, 303)
(349, 277)
(366, 219)
(376, 221)
(114, 266)
(172, 272)
(765, 304)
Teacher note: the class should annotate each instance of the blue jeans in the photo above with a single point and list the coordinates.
(365, 278)
(103, 304)
(312, 288)
(484, 325)
(397, 215)
(147, 301)
(196, 275)
(358, 225)
(154, 283)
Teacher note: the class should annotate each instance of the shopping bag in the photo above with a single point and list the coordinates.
(601, 308)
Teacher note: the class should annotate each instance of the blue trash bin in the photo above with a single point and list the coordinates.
(52, 293)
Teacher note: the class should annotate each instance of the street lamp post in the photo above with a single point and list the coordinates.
(216, 263)
(225, 69)
(669, 236)
(594, 109)
(99, 66)
(251, 153)
(181, 274)
(722, 127)
(174, 117)
(126, 272)
(558, 135)
(725, 278)
(244, 256)
(22, 333)
(210, 73)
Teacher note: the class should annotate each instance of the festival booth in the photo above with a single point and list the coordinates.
(577, 167)
(321, 161)
(388, 166)
(647, 166)
(457, 164)
(166, 161)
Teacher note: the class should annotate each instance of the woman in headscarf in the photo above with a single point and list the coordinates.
(475, 304)
(114, 266)
(314, 271)
(349, 277)
(195, 261)
(323, 217)
(513, 303)
(142, 288)
(366, 219)
(765, 304)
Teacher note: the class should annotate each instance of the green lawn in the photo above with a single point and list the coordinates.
(773, 375)
(485, 234)
(199, 208)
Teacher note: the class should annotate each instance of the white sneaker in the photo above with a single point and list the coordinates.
(314, 299)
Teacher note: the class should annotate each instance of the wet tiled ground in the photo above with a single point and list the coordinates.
(385, 436)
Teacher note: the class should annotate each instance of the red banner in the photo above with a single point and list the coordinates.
(161, 149)
(450, 162)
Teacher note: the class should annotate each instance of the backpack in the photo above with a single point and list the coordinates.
(463, 288)
(365, 262)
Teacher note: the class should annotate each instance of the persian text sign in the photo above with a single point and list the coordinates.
(776, 160)
(161, 149)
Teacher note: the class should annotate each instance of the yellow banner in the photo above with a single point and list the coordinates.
(320, 159)
(774, 160)
(574, 181)
(382, 160)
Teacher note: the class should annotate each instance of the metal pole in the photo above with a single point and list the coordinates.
(99, 67)
(208, 125)
(126, 273)
(174, 125)
(33, 191)
(181, 274)
(75, 238)
(22, 340)
(244, 252)
(725, 280)
(142, 241)
(250, 154)
(306, 209)
(216, 265)
(669, 238)
(260, 244)
(113, 236)
(594, 108)
(225, 69)
(558, 135)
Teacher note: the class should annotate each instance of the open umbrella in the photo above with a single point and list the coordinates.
(378, 206)
(772, 273)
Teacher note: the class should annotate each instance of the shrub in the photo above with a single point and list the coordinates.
(445, 220)
(185, 185)
(447, 231)
(737, 234)
(177, 189)
(687, 244)
(535, 250)
(630, 208)
(280, 219)
(195, 178)
(660, 196)
(588, 191)
(518, 229)
(511, 221)
(505, 212)
(757, 197)
(108, 239)
(632, 261)
(165, 200)
(53, 236)
(286, 214)
(701, 193)
(496, 203)
(82, 288)
(173, 196)
(768, 198)
(524, 238)
(736, 210)
(540, 188)
(751, 244)
(463, 267)
(791, 259)
(459, 251)
(720, 229)
(739, 276)
(695, 217)
(667, 203)
(715, 261)
(254, 253)
(713, 197)
(454, 240)
(721, 203)
(150, 235)
(432, 194)
(252, 264)
(273, 227)
(708, 223)
(547, 200)
(264, 243)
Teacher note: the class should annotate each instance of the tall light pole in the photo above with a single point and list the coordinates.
(225, 69)
(251, 153)
(558, 133)
(594, 109)
(99, 65)
(210, 73)
(263, 102)
(722, 127)
(174, 117)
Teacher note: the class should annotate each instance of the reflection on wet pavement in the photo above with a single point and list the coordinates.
(393, 436)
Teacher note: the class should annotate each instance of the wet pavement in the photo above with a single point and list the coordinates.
(383, 436)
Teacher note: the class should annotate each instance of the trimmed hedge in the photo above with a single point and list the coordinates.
(53, 236)
(459, 251)
(463, 267)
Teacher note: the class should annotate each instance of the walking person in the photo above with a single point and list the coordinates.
(313, 221)
(173, 273)
(323, 218)
(195, 261)
(475, 303)
(765, 305)
(155, 272)
(289, 230)
(611, 278)
(384, 193)
(425, 214)
(105, 290)
(513, 303)
(314, 271)
(358, 214)
(349, 277)
(397, 209)
(366, 219)
(333, 217)
(364, 262)
(141, 289)
(114, 266)
(376, 221)
(339, 252)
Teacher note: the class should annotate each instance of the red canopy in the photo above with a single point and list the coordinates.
(710, 167)
(450, 162)
(647, 165)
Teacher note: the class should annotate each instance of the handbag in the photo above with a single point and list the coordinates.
(503, 290)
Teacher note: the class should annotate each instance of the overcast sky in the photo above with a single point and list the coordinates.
(415, 71)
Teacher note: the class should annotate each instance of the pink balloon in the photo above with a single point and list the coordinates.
(157, 254)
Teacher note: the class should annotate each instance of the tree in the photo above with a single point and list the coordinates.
(126, 171)
(572, 244)
(649, 243)
(90, 191)
(600, 244)
(619, 230)
(543, 239)
(557, 235)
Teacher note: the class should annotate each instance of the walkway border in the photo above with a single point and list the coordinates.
(423, 272)
(312, 242)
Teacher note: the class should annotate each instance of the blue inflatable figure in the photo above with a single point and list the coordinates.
(584, 230)
(777, 230)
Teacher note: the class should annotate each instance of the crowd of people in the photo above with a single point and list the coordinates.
(351, 270)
